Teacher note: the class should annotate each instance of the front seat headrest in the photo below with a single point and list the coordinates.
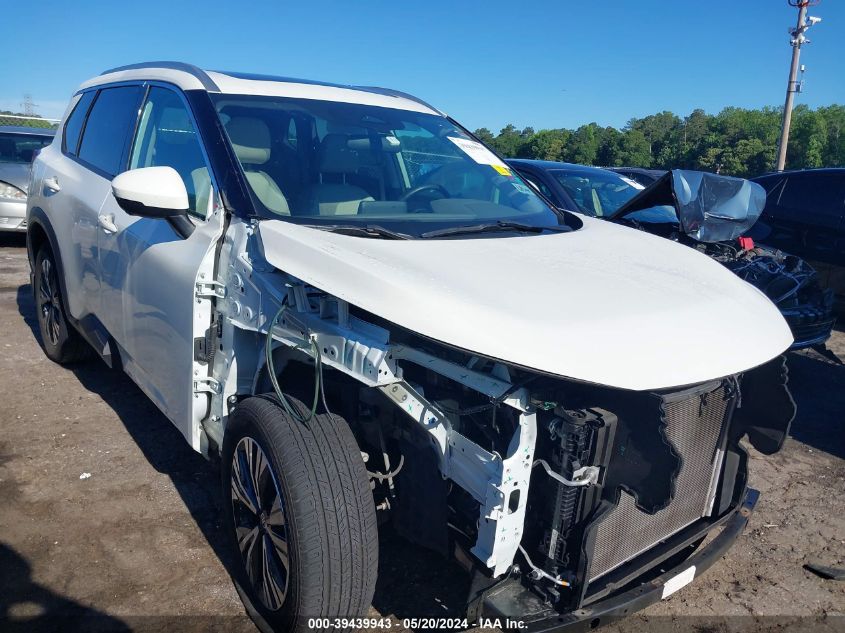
(336, 157)
(250, 139)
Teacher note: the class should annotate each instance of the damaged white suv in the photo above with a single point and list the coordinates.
(367, 315)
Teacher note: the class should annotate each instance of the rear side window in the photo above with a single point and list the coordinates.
(73, 127)
(813, 195)
(109, 125)
(20, 148)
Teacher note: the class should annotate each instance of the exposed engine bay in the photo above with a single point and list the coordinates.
(567, 488)
(613, 473)
(555, 488)
(786, 279)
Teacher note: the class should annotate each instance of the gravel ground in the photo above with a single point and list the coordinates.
(136, 545)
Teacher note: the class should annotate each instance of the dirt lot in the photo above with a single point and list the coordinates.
(136, 545)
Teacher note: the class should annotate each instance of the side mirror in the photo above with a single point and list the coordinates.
(152, 192)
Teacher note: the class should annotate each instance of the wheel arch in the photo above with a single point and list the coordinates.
(38, 234)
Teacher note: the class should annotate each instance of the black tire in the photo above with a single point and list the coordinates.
(60, 340)
(328, 513)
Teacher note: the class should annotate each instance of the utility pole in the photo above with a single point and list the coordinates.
(798, 38)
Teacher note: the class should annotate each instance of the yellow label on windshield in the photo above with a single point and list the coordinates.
(502, 170)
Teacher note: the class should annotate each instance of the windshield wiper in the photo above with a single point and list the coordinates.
(367, 230)
(500, 225)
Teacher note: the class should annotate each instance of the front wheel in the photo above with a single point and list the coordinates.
(299, 512)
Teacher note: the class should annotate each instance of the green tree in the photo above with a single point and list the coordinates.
(485, 136)
(634, 150)
(509, 141)
(584, 148)
(548, 144)
(31, 120)
(736, 141)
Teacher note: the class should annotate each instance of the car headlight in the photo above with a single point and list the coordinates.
(10, 192)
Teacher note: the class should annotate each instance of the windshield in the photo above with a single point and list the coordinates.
(596, 192)
(19, 148)
(330, 163)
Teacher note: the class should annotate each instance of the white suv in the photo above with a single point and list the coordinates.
(554, 401)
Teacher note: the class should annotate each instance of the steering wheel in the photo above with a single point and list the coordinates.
(433, 187)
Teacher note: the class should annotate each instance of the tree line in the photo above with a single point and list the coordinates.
(735, 141)
(31, 120)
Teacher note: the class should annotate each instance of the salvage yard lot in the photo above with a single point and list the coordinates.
(106, 513)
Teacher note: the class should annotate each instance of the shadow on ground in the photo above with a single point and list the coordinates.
(26, 606)
(816, 381)
(12, 240)
(412, 582)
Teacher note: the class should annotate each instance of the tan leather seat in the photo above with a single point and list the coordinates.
(336, 161)
(250, 139)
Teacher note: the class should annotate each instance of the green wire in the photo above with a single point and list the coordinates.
(318, 372)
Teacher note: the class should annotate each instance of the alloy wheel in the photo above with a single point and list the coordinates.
(49, 302)
(260, 523)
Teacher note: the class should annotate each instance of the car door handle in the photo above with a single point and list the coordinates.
(107, 222)
(52, 184)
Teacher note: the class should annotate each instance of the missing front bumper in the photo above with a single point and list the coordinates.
(510, 601)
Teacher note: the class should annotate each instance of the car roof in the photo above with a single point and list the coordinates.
(639, 170)
(23, 129)
(551, 164)
(833, 171)
(189, 77)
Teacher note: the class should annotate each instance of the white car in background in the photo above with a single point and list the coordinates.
(362, 310)
(18, 145)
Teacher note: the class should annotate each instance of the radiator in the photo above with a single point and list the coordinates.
(693, 427)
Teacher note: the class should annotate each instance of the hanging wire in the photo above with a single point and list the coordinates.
(388, 475)
(319, 391)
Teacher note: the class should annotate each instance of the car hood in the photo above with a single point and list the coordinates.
(603, 304)
(16, 174)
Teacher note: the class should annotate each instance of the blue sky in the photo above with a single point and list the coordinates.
(547, 64)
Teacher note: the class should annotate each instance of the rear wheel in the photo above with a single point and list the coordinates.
(61, 342)
(299, 512)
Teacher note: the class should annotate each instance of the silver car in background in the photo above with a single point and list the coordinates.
(18, 146)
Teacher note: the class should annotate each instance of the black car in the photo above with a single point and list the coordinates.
(805, 215)
(788, 280)
(590, 190)
(643, 176)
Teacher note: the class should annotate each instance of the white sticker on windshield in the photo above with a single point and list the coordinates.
(521, 188)
(477, 152)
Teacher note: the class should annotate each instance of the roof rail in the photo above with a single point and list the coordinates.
(192, 70)
(374, 89)
(396, 93)
(290, 80)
